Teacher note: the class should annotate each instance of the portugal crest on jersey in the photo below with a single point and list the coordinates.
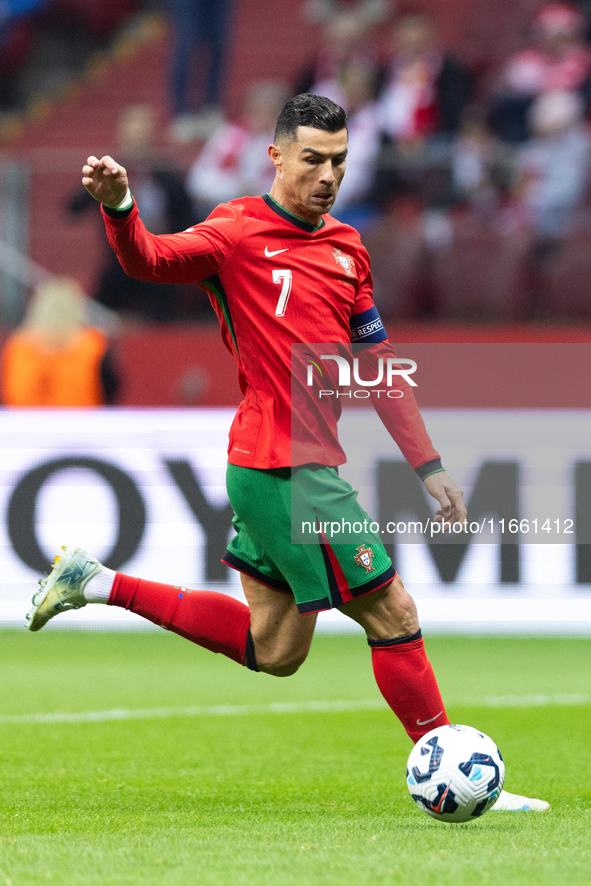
(345, 261)
(364, 557)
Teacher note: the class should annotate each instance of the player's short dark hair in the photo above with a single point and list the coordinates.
(307, 109)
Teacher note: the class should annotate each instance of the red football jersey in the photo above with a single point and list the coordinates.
(273, 280)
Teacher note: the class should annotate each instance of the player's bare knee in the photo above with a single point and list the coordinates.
(280, 665)
(285, 670)
(280, 659)
(386, 613)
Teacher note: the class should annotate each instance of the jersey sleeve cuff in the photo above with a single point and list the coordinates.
(430, 467)
(120, 213)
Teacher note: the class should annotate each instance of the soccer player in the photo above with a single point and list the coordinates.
(319, 290)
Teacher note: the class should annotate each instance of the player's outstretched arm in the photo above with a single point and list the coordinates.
(450, 497)
(105, 180)
(186, 257)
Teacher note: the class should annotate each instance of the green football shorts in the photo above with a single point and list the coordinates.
(328, 567)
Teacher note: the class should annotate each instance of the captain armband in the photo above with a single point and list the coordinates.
(367, 327)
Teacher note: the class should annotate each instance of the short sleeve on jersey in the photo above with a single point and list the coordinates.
(367, 327)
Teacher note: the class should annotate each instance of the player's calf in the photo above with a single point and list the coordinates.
(281, 636)
(402, 670)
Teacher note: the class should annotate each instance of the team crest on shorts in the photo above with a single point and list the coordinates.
(364, 557)
(345, 261)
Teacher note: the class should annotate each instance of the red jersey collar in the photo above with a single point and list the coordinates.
(290, 217)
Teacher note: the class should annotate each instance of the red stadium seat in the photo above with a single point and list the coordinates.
(566, 285)
(480, 275)
(396, 246)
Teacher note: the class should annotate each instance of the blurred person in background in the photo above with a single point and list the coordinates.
(54, 358)
(166, 205)
(481, 167)
(198, 24)
(554, 165)
(351, 205)
(234, 160)
(370, 12)
(553, 175)
(346, 43)
(557, 60)
(420, 106)
(426, 89)
(43, 43)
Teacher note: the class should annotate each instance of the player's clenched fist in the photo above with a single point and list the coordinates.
(105, 180)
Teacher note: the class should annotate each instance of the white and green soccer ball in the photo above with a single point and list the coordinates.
(455, 773)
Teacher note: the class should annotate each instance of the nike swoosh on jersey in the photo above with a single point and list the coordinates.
(277, 251)
(424, 722)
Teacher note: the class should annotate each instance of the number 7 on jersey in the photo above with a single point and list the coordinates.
(283, 277)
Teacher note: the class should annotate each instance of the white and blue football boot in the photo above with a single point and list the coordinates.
(508, 802)
(63, 588)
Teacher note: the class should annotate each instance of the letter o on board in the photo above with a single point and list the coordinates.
(23, 504)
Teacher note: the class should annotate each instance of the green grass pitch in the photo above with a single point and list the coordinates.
(278, 798)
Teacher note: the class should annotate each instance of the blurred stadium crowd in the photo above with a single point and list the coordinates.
(469, 183)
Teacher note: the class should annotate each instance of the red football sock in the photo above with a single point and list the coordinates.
(216, 621)
(406, 680)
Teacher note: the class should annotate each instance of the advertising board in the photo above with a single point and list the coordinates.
(144, 490)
